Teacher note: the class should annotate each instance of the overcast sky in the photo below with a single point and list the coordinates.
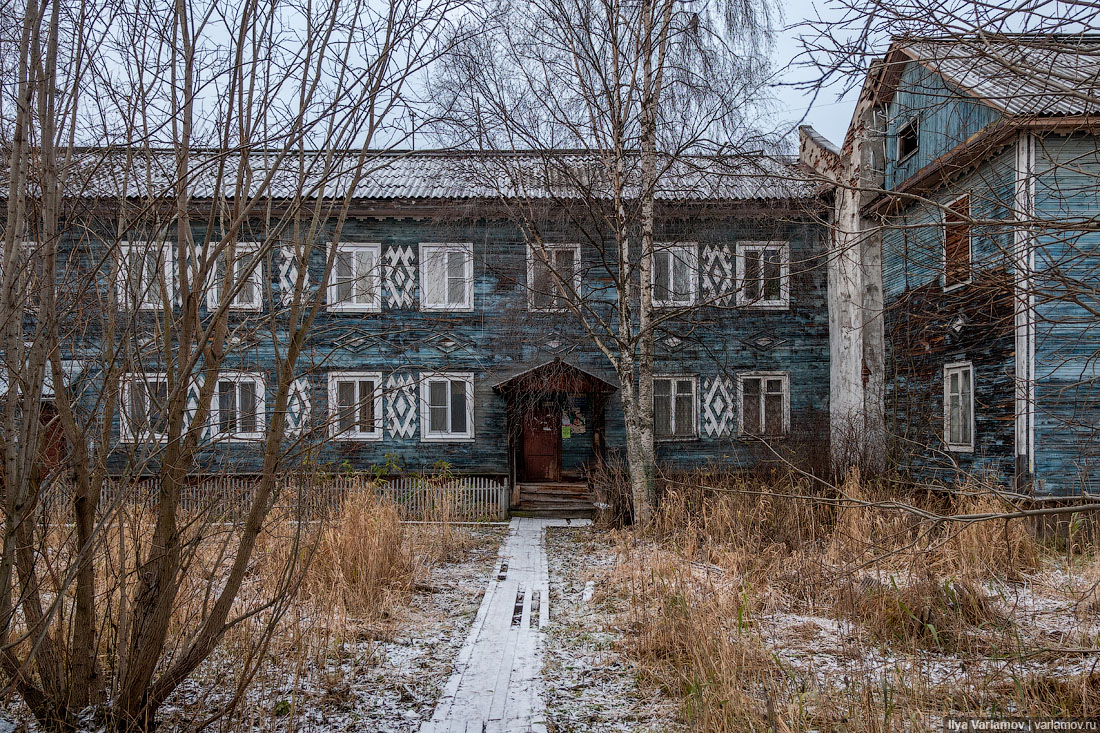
(827, 114)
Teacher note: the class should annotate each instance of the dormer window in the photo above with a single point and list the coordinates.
(908, 140)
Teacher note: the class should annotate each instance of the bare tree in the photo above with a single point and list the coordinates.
(646, 94)
(229, 145)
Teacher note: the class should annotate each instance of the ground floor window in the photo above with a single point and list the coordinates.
(145, 407)
(238, 406)
(958, 406)
(674, 407)
(765, 400)
(355, 404)
(447, 406)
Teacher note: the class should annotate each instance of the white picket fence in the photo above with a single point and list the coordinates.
(464, 498)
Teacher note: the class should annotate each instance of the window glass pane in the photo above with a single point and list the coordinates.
(434, 284)
(775, 386)
(771, 275)
(247, 392)
(158, 401)
(954, 419)
(227, 413)
(752, 275)
(364, 280)
(247, 276)
(219, 279)
(138, 410)
(541, 284)
(437, 407)
(750, 405)
(458, 406)
(662, 288)
(366, 406)
(685, 411)
(456, 278)
(662, 413)
(681, 278)
(773, 414)
(345, 276)
(345, 401)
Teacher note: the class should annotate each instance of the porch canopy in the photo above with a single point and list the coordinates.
(557, 376)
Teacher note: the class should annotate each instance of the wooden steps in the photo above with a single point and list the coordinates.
(566, 500)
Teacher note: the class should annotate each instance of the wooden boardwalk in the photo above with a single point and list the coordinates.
(495, 683)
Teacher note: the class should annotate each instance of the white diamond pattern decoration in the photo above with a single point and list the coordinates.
(398, 270)
(718, 406)
(192, 407)
(401, 407)
(288, 274)
(718, 274)
(297, 407)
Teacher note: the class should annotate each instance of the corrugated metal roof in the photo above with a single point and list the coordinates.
(420, 175)
(1021, 75)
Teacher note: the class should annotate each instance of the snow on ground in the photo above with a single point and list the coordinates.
(588, 685)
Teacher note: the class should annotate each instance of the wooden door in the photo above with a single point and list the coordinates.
(542, 443)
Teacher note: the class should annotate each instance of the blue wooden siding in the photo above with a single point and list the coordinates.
(501, 336)
(928, 328)
(946, 117)
(1067, 339)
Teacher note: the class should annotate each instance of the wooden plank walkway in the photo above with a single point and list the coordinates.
(495, 684)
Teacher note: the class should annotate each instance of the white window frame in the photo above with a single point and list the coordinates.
(122, 282)
(535, 254)
(958, 367)
(426, 435)
(783, 302)
(969, 246)
(762, 376)
(129, 433)
(255, 277)
(688, 252)
(673, 378)
(466, 248)
(334, 378)
(261, 412)
(375, 277)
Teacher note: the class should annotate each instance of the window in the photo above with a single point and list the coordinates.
(958, 406)
(956, 244)
(238, 406)
(764, 271)
(447, 407)
(145, 275)
(247, 276)
(144, 415)
(357, 278)
(355, 403)
(446, 277)
(549, 267)
(765, 403)
(674, 270)
(674, 407)
(908, 139)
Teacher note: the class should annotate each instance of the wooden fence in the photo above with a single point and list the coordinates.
(465, 498)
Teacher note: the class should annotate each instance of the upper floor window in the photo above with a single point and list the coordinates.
(674, 275)
(446, 277)
(145, 275)
(447, 407)
(763, 271)
(357, 278)
(957, 247)
(144, 414)
(958, 406)
(674, 405)
(553, 275)
(765, 399)
(908, 138)
(237, 410)
(355, 402)
(242, 274)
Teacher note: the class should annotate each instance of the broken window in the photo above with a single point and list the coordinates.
(674, 275)
(447, 410)
(765, 404)
(908, 139)
(552, 271)
(958, 412)
(356, 404)
(956, 243)
(674, 407)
